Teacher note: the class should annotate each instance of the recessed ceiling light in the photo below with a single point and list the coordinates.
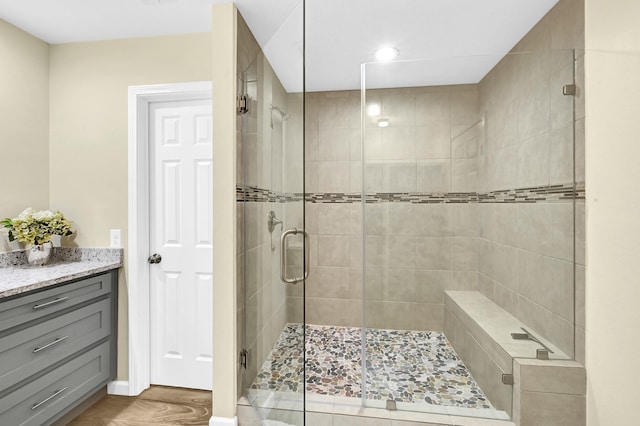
(386, 53)
(383, 122)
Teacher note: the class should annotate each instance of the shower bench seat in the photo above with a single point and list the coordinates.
(530, 390)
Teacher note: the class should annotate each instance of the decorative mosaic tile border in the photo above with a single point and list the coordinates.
(548, 193)
(254, 194)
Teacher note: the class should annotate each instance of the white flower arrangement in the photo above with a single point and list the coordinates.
(36, 227)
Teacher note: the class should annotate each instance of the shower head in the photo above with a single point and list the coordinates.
(283, 115)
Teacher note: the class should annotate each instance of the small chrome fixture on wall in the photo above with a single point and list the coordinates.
(282, 114)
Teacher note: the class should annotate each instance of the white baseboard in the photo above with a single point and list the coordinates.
(223, 421)
(118, 387)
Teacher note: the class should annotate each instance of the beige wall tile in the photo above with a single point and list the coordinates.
(580, 295)
(433, 140)
(499, 262)
(332, 144)
(399, 176)
(435, 220)
(486, 287)
(343, 420)
(579, 335)
(333, 250)
(465, 140)
(533, 162)
(433, 104)
(561, 291)
(335, 109)
(464, 175)
(499, 223)
(399, 315)
(429, 316)
(465, 280)
(561, 155)
(430, 285)
(464, 254)
(399, 219)
(561, 106)
(433, 253)
(567, 32)
(328, 282)
(580, 150)
(374, 314)
(399, 285)
(464, 105)
(580, 236)
(562, 231)
(398, 143)
(319, 419)
(551, 409)
(558, 377)
(402, 252)
(338, 312)
(333, 219)
(464, 219)
(333, 176)
(504, 297)
(433, 176)
(400, 107)
(311, 171)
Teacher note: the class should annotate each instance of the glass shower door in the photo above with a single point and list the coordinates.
(274, 247)
(470, 192)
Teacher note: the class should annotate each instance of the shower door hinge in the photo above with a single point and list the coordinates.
(542, 354)
(244, 355)
(569, 89)
(507, 379)
(243, 102)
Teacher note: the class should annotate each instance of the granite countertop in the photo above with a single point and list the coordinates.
(68, 263)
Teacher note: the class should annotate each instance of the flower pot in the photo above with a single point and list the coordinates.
(40, 254)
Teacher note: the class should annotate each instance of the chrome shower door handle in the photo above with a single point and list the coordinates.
(283, 256)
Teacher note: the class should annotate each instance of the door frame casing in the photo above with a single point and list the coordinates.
(138, 288)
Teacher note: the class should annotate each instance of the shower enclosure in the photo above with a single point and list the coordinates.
(365, 214)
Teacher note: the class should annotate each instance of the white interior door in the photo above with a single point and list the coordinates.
(181, 233)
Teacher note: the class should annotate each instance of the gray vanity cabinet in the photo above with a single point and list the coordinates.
(57, 348)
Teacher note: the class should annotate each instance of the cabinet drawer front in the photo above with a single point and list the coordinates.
(33, 306)
(45, 397)
(32, 349)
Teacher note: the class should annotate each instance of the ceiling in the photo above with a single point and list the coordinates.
(440, 41)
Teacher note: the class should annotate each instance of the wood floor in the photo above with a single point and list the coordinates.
(158, 406)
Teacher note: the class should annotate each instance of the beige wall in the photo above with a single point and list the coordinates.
(224, 81)
(88, 132)
(24, 123)
(613, 209)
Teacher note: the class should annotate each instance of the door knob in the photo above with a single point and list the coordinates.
(154, 258)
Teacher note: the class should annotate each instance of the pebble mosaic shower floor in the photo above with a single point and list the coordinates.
(405, 366)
